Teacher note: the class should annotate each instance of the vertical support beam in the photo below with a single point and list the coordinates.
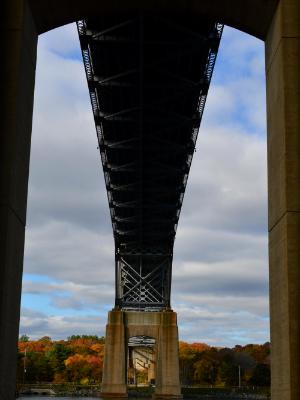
(167, 367)
(152, 367)
(118, 288)
(130, 367)
(114, 371)
(283, 112)
(168, 280)
(18, 49)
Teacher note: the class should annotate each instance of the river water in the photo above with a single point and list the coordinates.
(94, 398)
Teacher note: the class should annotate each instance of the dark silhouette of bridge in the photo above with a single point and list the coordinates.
(148, 78)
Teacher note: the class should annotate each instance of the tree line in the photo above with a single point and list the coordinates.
(242, 365)
(79, 359)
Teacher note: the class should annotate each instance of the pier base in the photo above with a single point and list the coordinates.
(162, 326)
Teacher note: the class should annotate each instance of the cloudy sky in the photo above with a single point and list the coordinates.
(220, 271)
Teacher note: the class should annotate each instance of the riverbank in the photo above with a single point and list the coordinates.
(193, 393)
(59, 390)
(214, 393)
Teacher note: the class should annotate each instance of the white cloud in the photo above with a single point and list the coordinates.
(221, 328)
(38, 324)
(227, 183)
(64, 251)
(69, 295)
(61, 41)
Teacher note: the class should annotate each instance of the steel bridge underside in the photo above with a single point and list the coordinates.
(148, 78)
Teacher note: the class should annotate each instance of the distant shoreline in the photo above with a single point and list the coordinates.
(189, 393)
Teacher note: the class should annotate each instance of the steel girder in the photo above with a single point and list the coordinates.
(148, 78)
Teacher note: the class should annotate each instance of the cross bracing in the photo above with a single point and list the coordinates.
(148, 78)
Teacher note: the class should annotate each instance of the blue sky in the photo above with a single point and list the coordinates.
(220, 271)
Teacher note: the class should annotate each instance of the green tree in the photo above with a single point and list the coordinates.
(38, 368)
(24, 338)
(57, 356)
(45, 339)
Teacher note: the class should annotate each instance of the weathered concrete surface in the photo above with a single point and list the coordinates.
(283, 105)
(114, 371)
(162, 326)
(151, 371)
(18, 49)
(167, 373)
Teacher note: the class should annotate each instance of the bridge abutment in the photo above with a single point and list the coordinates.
(283, 114)
(161, 326)
(18, 44)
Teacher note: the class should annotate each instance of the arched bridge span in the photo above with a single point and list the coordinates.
(148, 77)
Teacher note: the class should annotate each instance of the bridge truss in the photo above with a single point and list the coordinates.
(148, 78)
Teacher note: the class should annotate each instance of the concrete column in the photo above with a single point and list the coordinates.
(18, 59)
(283, 112)
(114, 372)
(162, 326)
(151, 371)
(167, 366)
(130, 368)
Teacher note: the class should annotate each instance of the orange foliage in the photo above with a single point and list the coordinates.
(85, 346)
(37, 346)
(192, 348)
(80, 359)
(84, 367)
(98, 348)
(93, 361)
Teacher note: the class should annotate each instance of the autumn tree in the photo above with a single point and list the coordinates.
(206, 370)
(188, 353)
(80, 359)
(83, 369)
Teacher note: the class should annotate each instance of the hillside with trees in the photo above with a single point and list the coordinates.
(79, 359)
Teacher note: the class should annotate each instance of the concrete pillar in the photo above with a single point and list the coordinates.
(114, 372)
(18, 60)
(167, 364)
(162, 326)
(151, 371)
(130, 368)
(283, 112)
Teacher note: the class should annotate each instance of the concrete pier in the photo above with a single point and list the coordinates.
(283, 112)
(162, 326)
